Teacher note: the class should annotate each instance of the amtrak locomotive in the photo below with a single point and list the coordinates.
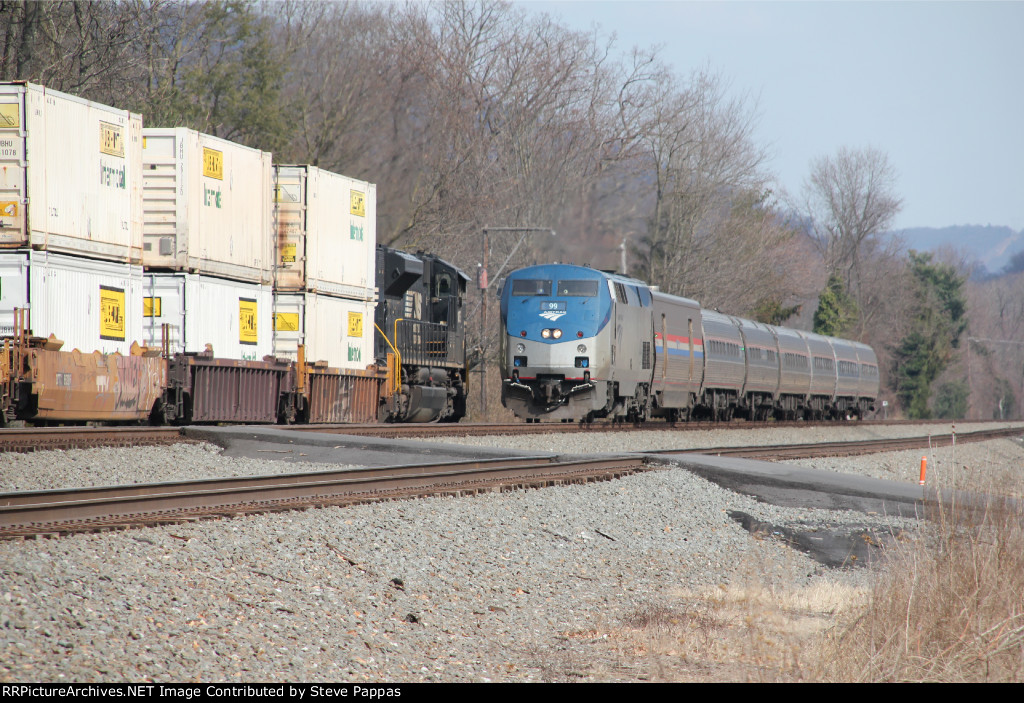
(579, 344)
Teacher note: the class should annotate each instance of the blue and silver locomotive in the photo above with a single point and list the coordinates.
(579, 344)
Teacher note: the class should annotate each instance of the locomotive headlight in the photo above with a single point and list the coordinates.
(557, 334)
(546, 334)
(582, 349)
(520, 348)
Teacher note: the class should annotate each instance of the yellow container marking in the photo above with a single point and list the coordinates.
(112, 314)
(355, 324)
(151, 307)
(247, 328)
(213, 163)
(111, 139)
(358, 203)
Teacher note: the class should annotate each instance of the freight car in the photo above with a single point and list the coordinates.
(580, 344)
(419, 374)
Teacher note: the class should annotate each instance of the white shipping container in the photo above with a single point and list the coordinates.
(326, 228)
(70, 174)
(208, 206)
(233, 317)
(336, 330)
(92, 305)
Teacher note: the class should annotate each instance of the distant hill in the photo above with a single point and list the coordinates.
(991, 246)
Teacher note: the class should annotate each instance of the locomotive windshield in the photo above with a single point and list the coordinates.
(531, 286)
(583, 288)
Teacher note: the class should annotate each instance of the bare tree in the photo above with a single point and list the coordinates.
(994, 353)
(850, 201)
(712, 231)
(81, 47)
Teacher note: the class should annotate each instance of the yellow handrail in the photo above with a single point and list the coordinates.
(395, 385)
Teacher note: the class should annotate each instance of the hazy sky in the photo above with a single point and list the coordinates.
(938, 86)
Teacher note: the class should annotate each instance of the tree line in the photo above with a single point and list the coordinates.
(478, 114)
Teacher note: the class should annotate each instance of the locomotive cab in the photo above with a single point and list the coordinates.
(575, 344)
(420, 327)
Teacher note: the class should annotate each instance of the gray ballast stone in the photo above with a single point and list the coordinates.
(498, 586)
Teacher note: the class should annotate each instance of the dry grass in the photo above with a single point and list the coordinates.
(949, 607)
(729, 633)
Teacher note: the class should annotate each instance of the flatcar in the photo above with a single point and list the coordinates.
(580, 344)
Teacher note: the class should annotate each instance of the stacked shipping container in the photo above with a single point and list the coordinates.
(324, 293)
(208, 206)
(70, 217)
(109, 232)
(207, 244)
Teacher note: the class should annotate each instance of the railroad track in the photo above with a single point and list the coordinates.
(88, 509)
(31, 439)
(41, 438)
(781, 452)
(466, 429)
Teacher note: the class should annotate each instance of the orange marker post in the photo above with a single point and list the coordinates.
(924, 466)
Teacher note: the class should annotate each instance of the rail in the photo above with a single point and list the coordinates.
(88, 509)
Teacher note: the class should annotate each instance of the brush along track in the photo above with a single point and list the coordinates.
(90, 509)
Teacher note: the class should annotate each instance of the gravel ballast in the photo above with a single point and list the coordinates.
(487, 588)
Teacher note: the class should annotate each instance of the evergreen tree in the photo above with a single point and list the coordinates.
(771, 311)
(837, 311)
(938, 319)
(951, 400)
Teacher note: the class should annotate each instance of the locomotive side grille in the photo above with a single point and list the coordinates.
(646, 355)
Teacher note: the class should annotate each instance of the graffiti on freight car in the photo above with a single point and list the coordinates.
(96, 386)
(355, 232)
(247, 329)
(141, 382)
(112, 314)
(111, 140)
(354, 353)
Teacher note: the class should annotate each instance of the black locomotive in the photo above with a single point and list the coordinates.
(421, 337)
